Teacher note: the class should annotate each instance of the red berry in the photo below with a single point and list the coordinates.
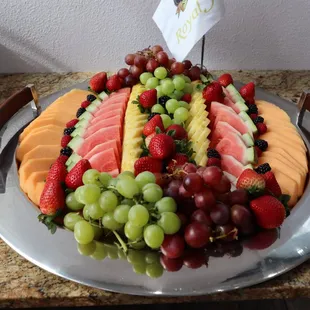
(225, 79)
(113, 83)
(148, 164)
(258, 151)
(179, 134)
(162, 146)
(85, 104)
(187, 98)
(72, 123)
(74, 177)
(248, 91)
(262, 128)
(65, 140)
(214, 162)
(253, 116)
(178, 160)
(152, 124)
(213, 92)
(98, 82)
(148, 98)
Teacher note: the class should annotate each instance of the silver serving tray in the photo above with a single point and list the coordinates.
(58, 254)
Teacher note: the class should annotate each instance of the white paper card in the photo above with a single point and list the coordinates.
(184, 22)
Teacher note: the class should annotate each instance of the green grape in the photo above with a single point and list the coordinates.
(169, 222)
(86, 213)
(83, 232)
(109, 222)
(159, 91)
(173, 96)
(150, 205)
(139, 268)
(188, 88)
(149, 185)
(178, 94)
(121, 214)
(133, 232)
(113, 182)
(154, 270)
(152, 194)
(126, 175)
(71, 219)
(138, 245)
(187, 79)
(94, 210)
(135, 257)
(121, 254)
(152, 257)
(145, 76)
(152, 83)
(127, 188)
(153, 236)
(177, 121)
(105, 178)
(157, 108)
(144, 178)
(86, 249)
(179, 83)
(160, 73)
(113, 253)
(167, 87)
(72, 203)
(98, 232)
(161, 82)
(166, 204)
(100, 252)
(91, 176)
(184, 104)
(181, 114)
(128, 202)
(87, 194)
(108, 201)
(166, 120)
(138, 215)
(172, 105)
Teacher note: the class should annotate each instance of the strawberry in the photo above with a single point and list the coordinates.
(113, 83)
(250, 101)
(52, 198)
(74, 177)
(62, 158)
(214, 162)
(150, 126)
(272, 185)
(72, 123)
(57, 172)
(85, 104)
(225, 79)
(149, 138)
(253, 116)
(262, 128)
(213, 92)
(262, 240)
(148, 164)
(258, 151)
(187, 98)
(98, 82)
(251, 181)
(148, 98)
(269, 211)
(162, 146)
(65, 140)
(248, 92)
(178, 159)
(179, 132)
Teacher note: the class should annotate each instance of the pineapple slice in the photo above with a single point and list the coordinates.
(133, 127)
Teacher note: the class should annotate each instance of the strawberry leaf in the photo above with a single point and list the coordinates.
(184, 146)
(48, 221)
(284, 199)
(171, 133)
(145, 150)
(157, 130)
(200, 87)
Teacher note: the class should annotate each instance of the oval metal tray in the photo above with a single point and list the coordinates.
(20, 229)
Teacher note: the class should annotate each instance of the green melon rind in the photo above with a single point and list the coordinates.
(248, 121)
(248, 139)
(75, 143)
(250, 155)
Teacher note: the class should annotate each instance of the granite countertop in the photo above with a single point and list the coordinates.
(23, 284)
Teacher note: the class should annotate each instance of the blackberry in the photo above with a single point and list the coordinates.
(151, 116)
(67, 151)
(262, 144)
(163, 99)
(252, 109)
(258, 119)
(91, 98)
(212, 153)
(262, 169)
(79, 112)
(68, 131)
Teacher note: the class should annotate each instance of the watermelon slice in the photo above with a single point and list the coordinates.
(125, 90)
(232, 144)
(106, 115)
(227, 102)
(105, 162)
(232, 166)
(108, 108)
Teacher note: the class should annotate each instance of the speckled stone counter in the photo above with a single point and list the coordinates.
(22, 284)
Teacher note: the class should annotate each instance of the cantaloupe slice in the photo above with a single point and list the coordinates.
(265, 107)
(34, 179)
(44, 137)
(38, 129)
(35, 195)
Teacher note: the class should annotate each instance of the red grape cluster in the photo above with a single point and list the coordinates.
(151, 58)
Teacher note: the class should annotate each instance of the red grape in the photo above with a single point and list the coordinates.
(193, 182)
(184, 193)
(200, 170)
(194, 259)
(156, 48)
(239, 196)
(240, 215)
(129, 59)
(173, 189)
(202, 217)
(224, 186)
(212, 176)
(205, 199)
(140, 61)
(173, 246)
(247, 228)
(123, 72)
(220, 214)
(197, 235)
(187, 64)
(186, 72)
(162, 179)
(170, 264)
(182, 218)
(122, 81)
(262, 240)
(194, 73)
(162, 58)
(171, 61)
(187, 206)
(130, 81)
(227, 232)
(177, 68)
(189, 168)
(151, 65)
(224, 198)
(136, 71)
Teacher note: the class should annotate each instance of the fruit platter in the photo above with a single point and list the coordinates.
(158, 179)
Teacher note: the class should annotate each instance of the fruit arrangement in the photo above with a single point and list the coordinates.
(161, 156)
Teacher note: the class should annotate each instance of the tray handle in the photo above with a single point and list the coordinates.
(303, 105)
(18, 100)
